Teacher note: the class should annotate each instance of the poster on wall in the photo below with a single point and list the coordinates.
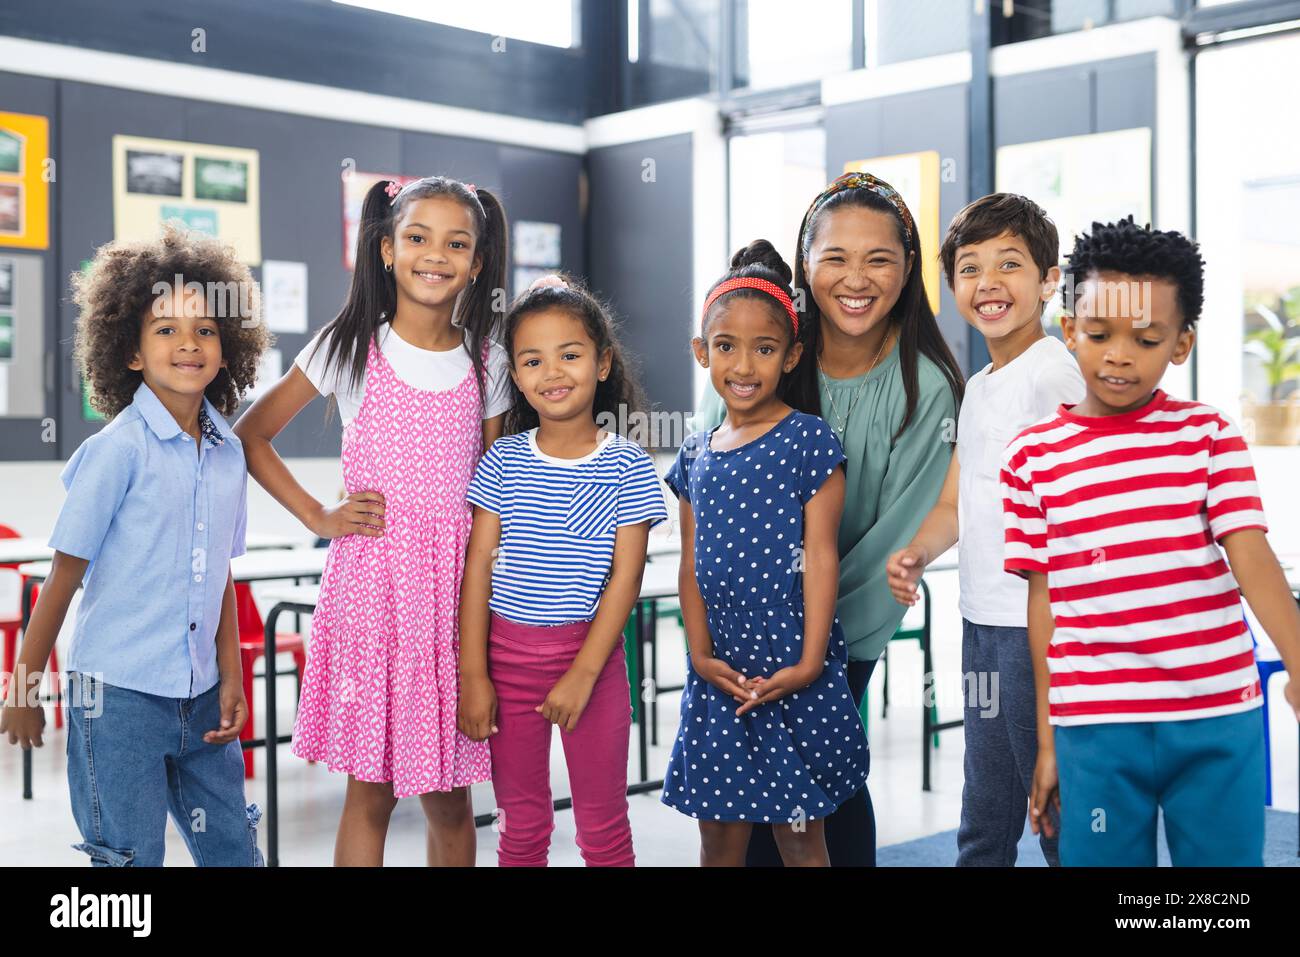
(536, 244)
(916, 177)
(24, 189)
(355, 187)
(284, 295)
(6, 283)
(1079, 180)
(211, 189)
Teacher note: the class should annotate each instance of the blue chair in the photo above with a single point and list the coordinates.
(1268, 667)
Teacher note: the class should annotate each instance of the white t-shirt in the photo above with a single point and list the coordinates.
(998, 406)
(419, 368)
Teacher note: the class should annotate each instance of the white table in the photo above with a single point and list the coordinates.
(658, 581)
(20, 551)
(270, 564)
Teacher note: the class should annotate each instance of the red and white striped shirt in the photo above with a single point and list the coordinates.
(1122, 514)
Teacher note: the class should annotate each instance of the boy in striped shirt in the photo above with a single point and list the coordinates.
(1144, 667)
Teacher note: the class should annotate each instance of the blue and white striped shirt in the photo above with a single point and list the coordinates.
(559, 518)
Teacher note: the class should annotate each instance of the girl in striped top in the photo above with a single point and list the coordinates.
(1116, 510)
(562, 512)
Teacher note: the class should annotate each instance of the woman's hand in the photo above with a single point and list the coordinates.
(567, 700)
(724, 677)
(361, 513)
(783, 682)
(476, 712)
(234, 713)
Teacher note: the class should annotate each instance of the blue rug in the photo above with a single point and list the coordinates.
(940, 850)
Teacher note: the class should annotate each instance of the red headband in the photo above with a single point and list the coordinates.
(762, 285)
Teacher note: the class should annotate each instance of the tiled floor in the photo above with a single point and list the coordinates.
(40, 832)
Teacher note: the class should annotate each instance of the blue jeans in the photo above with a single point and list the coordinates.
(1205, 774)
(1001, 729)
(134, 757)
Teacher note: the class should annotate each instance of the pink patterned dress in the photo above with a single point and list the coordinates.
(380, 689)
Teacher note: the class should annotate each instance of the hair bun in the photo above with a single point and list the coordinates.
(762, 253)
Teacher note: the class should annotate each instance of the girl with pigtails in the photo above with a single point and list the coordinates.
(421, 388)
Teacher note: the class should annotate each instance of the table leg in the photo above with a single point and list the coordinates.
(654, 672)
(28, 586)
(272, 745)
(639, 654)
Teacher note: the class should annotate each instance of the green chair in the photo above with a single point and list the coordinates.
(911, 630)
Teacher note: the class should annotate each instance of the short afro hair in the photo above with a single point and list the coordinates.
(1134, 250)
(117, 291)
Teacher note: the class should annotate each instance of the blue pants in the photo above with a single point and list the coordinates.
(1001, 730)
(134, 757)
(1205, 774)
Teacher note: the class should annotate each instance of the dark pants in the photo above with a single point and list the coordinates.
(851, 828)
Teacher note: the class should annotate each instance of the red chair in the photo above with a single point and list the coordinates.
(9, 628)
(252, 645)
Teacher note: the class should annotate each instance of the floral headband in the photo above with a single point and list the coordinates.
(868, 182)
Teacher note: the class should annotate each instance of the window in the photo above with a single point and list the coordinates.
(552, 22)
(778, 44)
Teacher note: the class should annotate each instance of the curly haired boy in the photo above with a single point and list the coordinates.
(155, 510)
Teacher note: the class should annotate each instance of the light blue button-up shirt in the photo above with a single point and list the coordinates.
(159, 524)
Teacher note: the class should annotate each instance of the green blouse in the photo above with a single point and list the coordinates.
(891, 485)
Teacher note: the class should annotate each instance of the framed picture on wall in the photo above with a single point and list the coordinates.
(6, 283)
(24, 183)
(916, 177)
(224, 180)
(155, 174)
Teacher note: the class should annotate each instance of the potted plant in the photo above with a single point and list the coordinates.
(1277, 421)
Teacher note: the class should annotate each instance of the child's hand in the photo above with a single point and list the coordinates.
(23, 724)
(1045, 790)
(567, 700)
(361, 513)
(476, 713)
(234, 712)
(903, 571)
(725, 678)
(1291, 691)
(783, 682)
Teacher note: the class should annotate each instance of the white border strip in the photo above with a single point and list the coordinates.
(1083, 47)
(948, 69)
(288, 96)
(648, 122)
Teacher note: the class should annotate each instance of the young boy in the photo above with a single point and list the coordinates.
(1000, 257)
(154, 512)
(1146, 679)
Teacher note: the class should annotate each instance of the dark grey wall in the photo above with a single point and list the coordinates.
(301, 208)
(318, 41)
(22, 438)
(641, 258)
(935, 119)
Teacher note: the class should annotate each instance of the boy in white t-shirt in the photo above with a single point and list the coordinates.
(1000, 257)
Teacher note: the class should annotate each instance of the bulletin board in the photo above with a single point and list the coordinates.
(24, 183)
(211, 189)
(916, 177)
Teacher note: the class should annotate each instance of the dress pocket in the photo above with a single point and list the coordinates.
(592, 508)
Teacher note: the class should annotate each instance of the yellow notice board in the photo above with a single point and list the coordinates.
(916, 177)
(24, 188)
(211, 189)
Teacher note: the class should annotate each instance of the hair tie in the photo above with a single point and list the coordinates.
(873, 184)
(392, 189)
(762, 285)
(472, 188)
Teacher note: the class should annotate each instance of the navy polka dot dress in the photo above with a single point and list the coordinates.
(799, 757)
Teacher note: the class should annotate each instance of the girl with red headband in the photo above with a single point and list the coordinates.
(769, 733)
(875, 365)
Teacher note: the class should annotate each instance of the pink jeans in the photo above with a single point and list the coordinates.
(524, 663)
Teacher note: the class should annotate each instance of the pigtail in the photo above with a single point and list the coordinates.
(481, 308)
(372, 295)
